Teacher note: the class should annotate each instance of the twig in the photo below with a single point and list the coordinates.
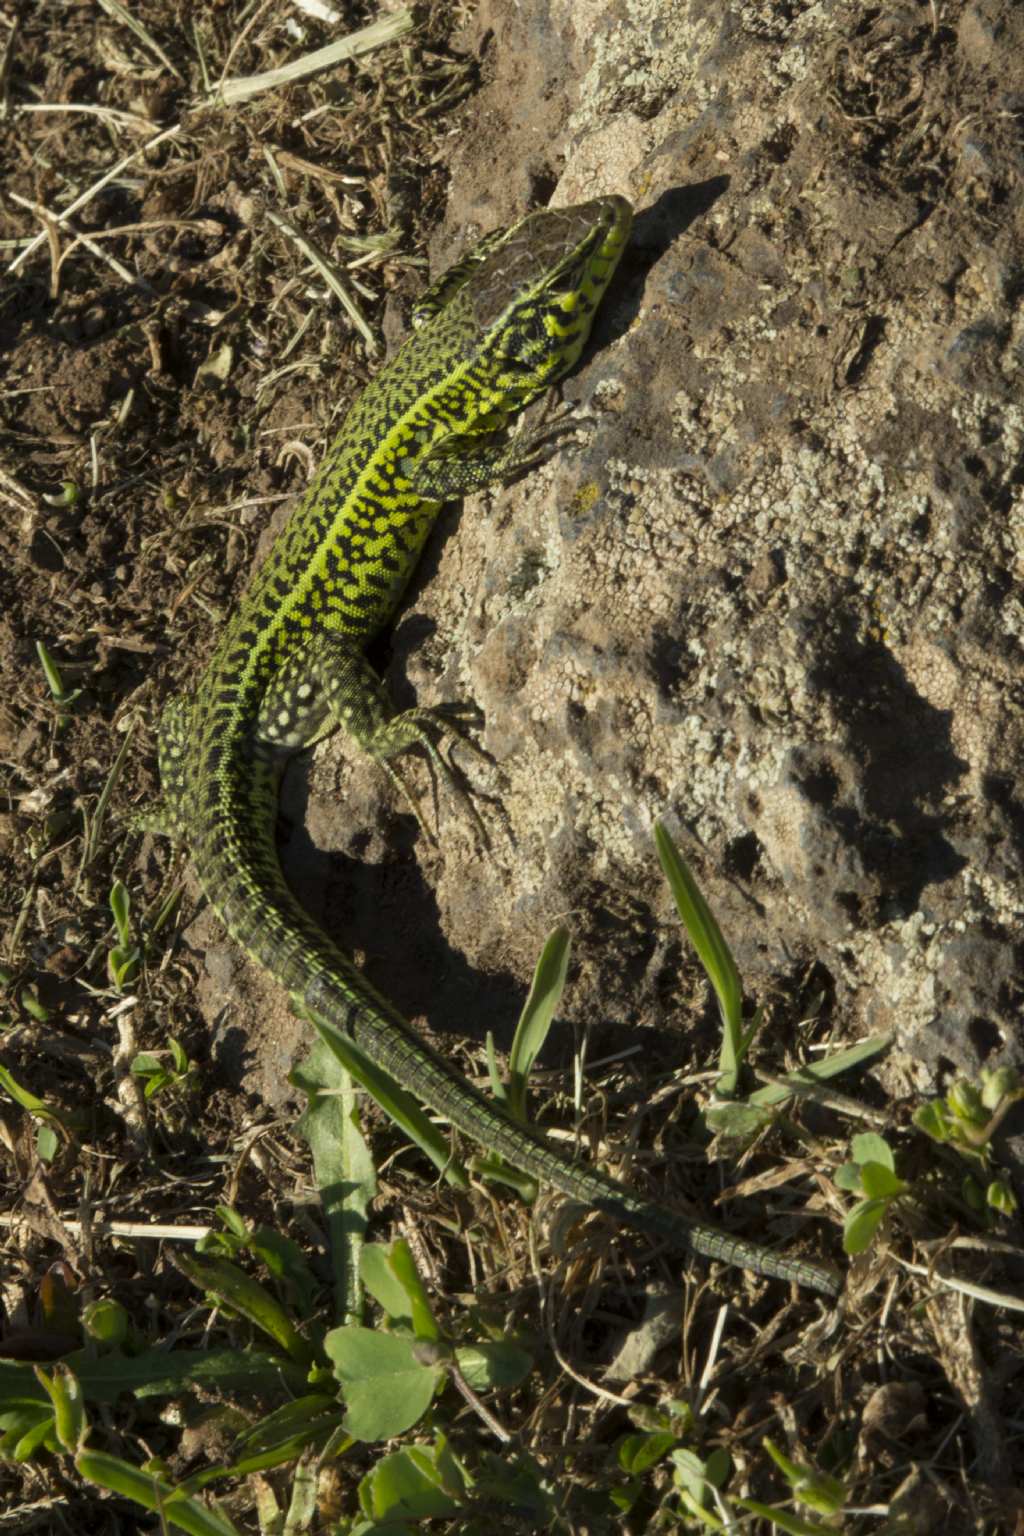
(143, 226)
(90, 192)
(711, 1361)
(159, 1231)
(546, 1313)
(50, 223)
(813, 1088)
(480, 1408)
(237, 41)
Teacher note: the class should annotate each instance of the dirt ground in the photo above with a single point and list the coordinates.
(173, 365)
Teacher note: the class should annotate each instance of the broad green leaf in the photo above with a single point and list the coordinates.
(718, 1467)
(448, 1468)
(383, 1284)
(50, 668)
(120, 906)
(386, 1388)
(973, 1194)
(737, 1119)
(1001, 1197)
(626, 1495)
(287, 1264)
(714, 953)
(23, 1096)
(160, 1373)
(536, 1017)
(861, 1224)
(407, 1485)
(690, 1473)
(825, 1494)
(964, 1099)
(674, 1413)
(424, 1325)
(498, 1364)
(638, 1452)
(869, 1147)
(52, 1118)
(234, 1221)
(516, 1479)
(879, 1182)
(18, 1418)
(390, 1276)
(33, 1007)
(847, 1176)
(999, 1083)
(42, 1433)
(934, 1119)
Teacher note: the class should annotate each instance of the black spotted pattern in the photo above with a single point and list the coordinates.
(495, 331)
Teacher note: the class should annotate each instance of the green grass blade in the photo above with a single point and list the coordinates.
(65, 1392)
(96, 822)
(714, 954)
(232, 1287)
(785, 1520)
(395, 1101)
(498, 1088)
(343, 1166)
(176, 1509)
(536, 1018)
(815, 1072)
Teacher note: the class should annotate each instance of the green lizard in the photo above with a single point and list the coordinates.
(490, 336)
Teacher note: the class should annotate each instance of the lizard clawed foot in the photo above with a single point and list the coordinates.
(425, 727)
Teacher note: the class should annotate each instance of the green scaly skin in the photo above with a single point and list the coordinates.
(492, 334)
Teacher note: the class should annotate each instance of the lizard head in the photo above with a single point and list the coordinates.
(534, 294)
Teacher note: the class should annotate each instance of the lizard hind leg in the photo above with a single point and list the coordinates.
(356, 700)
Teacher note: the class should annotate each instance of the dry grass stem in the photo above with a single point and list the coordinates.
(245, 87)
(112, 115)
(118, 12)
(328, 271)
